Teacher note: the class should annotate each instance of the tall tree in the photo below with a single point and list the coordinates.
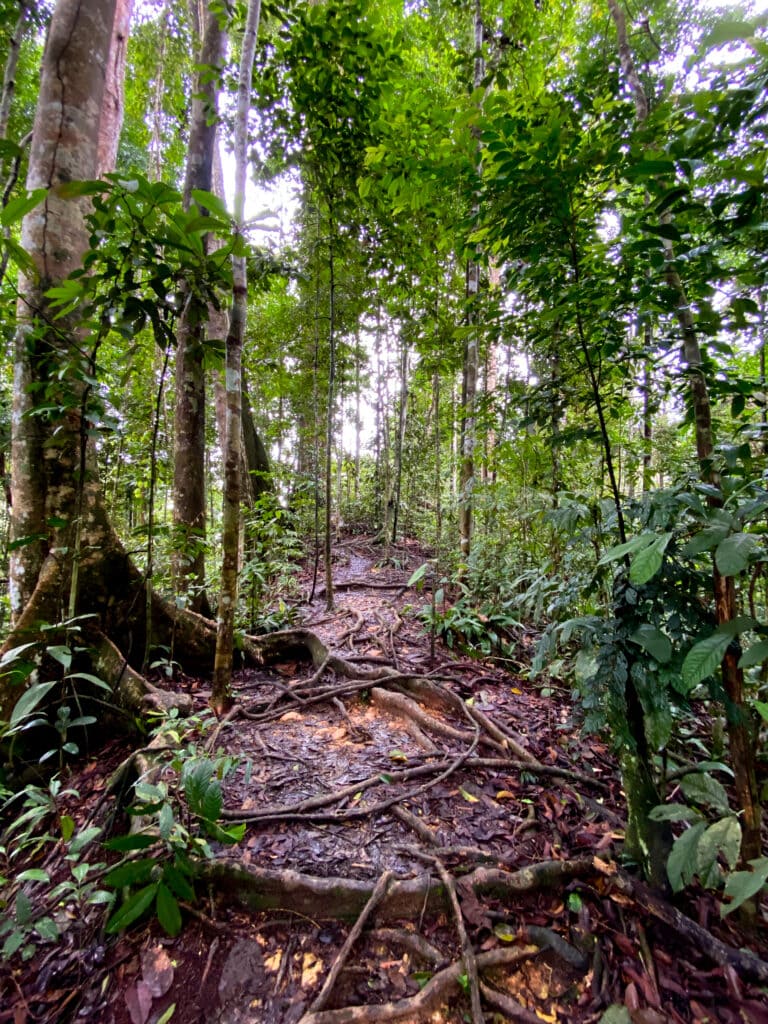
(230, 534)
(189, 507)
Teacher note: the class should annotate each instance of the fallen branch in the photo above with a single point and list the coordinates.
(749, 966)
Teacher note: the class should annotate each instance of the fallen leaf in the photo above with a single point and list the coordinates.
(311, 969)
(290, 716)
(157, 971)
(506, 794)
(273, 962)
(138, 999)
(469, 798)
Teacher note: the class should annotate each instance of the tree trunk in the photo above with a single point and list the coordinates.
(471, 354)
(230, 539)
(189, 508)
(57, 497)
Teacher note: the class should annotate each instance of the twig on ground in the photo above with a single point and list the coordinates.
(376, 896)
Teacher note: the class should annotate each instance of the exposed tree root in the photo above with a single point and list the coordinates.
(408, 899)
(438, 990)
(344, 898)
(331, 978)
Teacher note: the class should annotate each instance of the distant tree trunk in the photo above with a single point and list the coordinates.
(230, 533)
(189, 506)
(328, 553)
(402, 419)
(471, 354)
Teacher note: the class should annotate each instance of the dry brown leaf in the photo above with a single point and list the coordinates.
(157, 971)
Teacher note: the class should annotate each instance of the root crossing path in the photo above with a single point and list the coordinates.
(426, 839)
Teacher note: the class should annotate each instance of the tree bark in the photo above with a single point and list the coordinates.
(222, 671)
(189, 509)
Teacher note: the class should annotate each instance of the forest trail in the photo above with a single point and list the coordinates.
(439, 843)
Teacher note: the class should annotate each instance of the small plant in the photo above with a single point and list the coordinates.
(178, 822)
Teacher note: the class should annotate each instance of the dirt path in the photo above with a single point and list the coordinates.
(447, 811)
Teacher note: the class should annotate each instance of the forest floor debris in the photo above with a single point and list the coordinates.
(424, 841)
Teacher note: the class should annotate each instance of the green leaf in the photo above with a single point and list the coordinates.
(726, 32)
(60, 653)
(649, 169)
(47, 929)
(67, 826)
(627, 548)
(733, 553)
(208, 201)
(743, 885)
(703, 789)
(10, 656)
(754, 655)
(132, 909)
(178, 882)
(722, 838)
(704, 540)
(29, 700)
(33, 875)
(135, 872)
(616, 1014)
(702, 660)
(168, 913)
(140, 841)
(674, 812)
(419, 574)
(647, 563)
(82, 839)
(652, 640)
(18, 208)
(681, 865)
(166, 1015)
(88, 678)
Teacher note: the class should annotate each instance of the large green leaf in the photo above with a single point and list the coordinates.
(647, 563)
(29, 700)
(19, 207)
(134, 872)
(132, 909)
(681, 865)
(702, 660)
(674, 812)
(733, 553)
(168, 913)
(743, 885)
(652, 640)
(754, 655)
(627, 548)
(703, 789)
(721, 839)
